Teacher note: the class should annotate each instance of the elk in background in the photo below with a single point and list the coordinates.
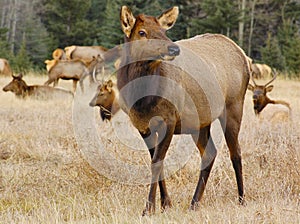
(75, 70)
(107, 99)
(261, 71)
(19, 87)
(5, 67)
(260, 98)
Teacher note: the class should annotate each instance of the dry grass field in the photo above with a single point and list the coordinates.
(45, 178)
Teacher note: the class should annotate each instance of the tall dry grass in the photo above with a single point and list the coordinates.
(44, 177)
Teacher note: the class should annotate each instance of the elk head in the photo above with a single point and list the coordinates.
(260, 98)
(104, 99)
(17, 85)
(147, 35)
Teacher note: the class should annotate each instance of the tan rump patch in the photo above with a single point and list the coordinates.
(57, 53)
(69, 50)
(50, 64)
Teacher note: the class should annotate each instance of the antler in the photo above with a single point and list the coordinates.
(274, 77)
(252, 79)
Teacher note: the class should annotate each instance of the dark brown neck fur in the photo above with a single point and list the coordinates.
(132, 71)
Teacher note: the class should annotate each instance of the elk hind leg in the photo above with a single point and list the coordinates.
(233, 123)
(208, 154)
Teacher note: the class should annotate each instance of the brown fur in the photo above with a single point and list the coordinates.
(19, 87)
(107, 99)
(85, 53)
(260, 97)
(5, 67)
(261, 71)
(66, 69)
(215, 61)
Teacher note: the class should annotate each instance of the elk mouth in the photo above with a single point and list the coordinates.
(166, 57)
(257, 109)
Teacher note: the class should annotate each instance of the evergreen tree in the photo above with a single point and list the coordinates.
(110, 33)
(289, 40)
(4, 46)
(67, 23)
(271, 53)
(21, 62)
(219, 16)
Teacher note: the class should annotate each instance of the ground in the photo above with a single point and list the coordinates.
(46, 177)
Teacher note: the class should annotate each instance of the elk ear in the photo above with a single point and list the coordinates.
(250, 87)
(269, 88)
(109, 86)
(127, 20)
(168, 18)
(109, 83)
(109, 89)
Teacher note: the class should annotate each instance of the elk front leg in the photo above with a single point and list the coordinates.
(159, 154)
(151, 141)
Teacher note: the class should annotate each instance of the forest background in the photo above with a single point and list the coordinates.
(267, 30)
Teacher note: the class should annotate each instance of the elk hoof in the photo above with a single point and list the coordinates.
(149, 210)
(165, 204)
(242, 201)
(194, 206)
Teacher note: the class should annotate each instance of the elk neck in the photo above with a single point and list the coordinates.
(132, 69)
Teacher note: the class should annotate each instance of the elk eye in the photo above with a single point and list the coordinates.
(142, 33)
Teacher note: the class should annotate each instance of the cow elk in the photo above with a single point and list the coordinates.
(147, 67)
(260, 98)
(19, 87)
(261, 71)
(84, 53)
(66, 69)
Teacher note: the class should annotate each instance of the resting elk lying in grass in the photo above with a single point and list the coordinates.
(19, 87)
(148, 76)
(261, 100)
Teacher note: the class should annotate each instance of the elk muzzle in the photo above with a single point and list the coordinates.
(173, 50)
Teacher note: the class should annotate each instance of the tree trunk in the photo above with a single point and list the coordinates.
(3, 13)
(14, 26)
(242, 23)
(251, 27)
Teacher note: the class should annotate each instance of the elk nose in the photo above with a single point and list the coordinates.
(174, 50)
(92, 103)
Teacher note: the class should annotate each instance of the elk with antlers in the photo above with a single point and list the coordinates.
(260, 98)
